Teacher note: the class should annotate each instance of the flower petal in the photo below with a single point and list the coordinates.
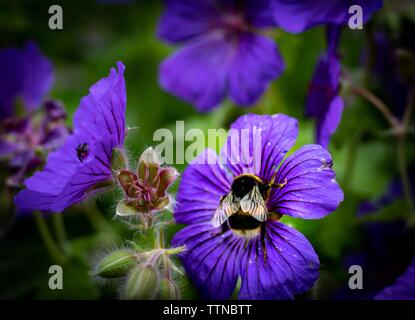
(65, 180)
(102, 112)
(24, 73)
(324, 86)
(198, 72)
(327, 126)
(297, 16)
(403, 288)
(100, 125)
(211, 258)
(202, 185)
(290, 267)
(38, 76)
(185, 19)
(256, 63)
(311, 191)
(256, 144)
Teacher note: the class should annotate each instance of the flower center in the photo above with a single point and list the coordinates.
(82, 151)
(235, 23)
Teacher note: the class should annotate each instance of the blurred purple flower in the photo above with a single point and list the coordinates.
(403, 288)
(82, 165)
(222, 52)
(298, 15)
(24, 74)
(273, 260)
(323, 101)
(26, 77)
(25, 141)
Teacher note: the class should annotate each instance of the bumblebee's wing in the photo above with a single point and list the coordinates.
(254, 204)
(227, 206)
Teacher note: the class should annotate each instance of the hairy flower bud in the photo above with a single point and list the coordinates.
(168, 290)
(116, 264)
(118, 160)
(143, 283)
(145, 190)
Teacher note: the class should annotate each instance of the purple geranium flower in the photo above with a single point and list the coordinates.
(323, 101)
(298, 15)
(25, 74)
(26, 77)
(83, 164)
(222, 53)
(233, 207)
(403, 288)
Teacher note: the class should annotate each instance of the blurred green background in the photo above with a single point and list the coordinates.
(96, 34)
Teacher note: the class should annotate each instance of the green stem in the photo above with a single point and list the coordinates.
(351, 161)
(60, 231)
(50, 245)
(99, 223)
(378, 104)
(403, 172)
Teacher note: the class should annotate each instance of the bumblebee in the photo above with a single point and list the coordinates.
(244, 209)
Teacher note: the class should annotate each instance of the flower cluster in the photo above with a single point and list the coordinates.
(26, 136)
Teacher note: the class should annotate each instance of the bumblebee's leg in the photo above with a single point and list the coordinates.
(262, 237)
(225, 227)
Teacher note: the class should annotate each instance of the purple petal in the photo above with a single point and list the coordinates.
(297, 16)
(211, 259)
(258, 13)
(100, 124)
(102, 113)
(38, 76)
(311, 191)
(290, 267)
(327, 125)
(26, 74)
(198, 72)
(202, 185)
(324, 86)
(256, 144)
(65, 180)
(403, 288)
(185, 19)
(256, 63)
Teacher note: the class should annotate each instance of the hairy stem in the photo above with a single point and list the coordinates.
(60, 231)
(49, 242)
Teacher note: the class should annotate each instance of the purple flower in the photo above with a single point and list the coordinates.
(222, 52)
(24, 142)
(403, 288)
(24, 74)
(83, 164)
(233, 209)
(298, 15)
(26, 77)
(323, 101)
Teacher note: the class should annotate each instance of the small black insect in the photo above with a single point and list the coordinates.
(82, 151)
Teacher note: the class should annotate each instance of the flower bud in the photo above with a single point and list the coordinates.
(118, 160)
(128, 182)
(168, 290)
(126, 208)
(143, 283)
(116, 264)
(148, 166)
